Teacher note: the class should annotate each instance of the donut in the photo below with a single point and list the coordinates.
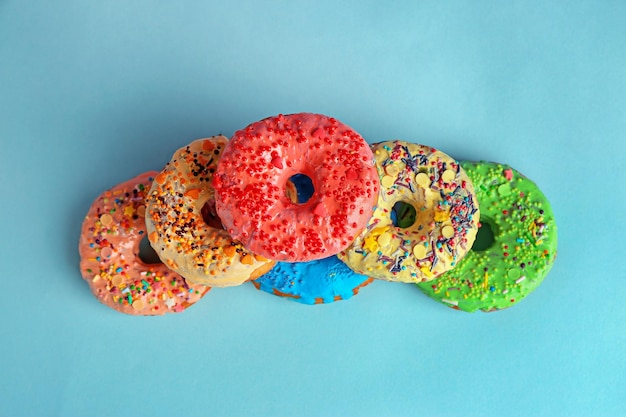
(315, 282)
(183, 227)
(251, 177)
(515, 248)
(441, 197)
(109, 250)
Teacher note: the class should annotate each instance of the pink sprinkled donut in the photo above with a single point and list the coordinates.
(110, 263)
(252, 176)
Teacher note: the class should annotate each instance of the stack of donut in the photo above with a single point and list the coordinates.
(302, 206)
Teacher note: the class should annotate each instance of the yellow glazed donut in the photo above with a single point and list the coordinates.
(446, 216)
(183, 228)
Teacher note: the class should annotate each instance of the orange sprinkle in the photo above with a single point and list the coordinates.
(160, 179)
(154, 236)
(283, 294)
(193, 193)
(229, 251)
(368, 281)
(247, 260)
(207, 145)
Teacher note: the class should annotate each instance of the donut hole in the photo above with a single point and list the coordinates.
(147, 254)
(299, 188)
(209, 215)
(485, 238)
(403, 215)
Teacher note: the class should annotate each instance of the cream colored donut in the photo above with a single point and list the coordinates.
(202, 253)
(446, 214)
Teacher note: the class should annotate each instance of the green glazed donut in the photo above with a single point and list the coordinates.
(515, 247)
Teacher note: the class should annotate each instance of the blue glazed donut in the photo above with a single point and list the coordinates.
(314, 282)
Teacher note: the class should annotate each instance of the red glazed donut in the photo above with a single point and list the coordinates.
(109, 251)
(251, 180)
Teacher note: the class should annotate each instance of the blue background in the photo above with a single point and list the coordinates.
(93, 93)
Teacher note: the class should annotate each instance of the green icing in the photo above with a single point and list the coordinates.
(512, 262)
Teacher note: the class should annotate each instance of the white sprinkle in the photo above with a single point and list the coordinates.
(454, 303)
(520, 279)
(170, 302)
(96, 278)
(505, 291)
